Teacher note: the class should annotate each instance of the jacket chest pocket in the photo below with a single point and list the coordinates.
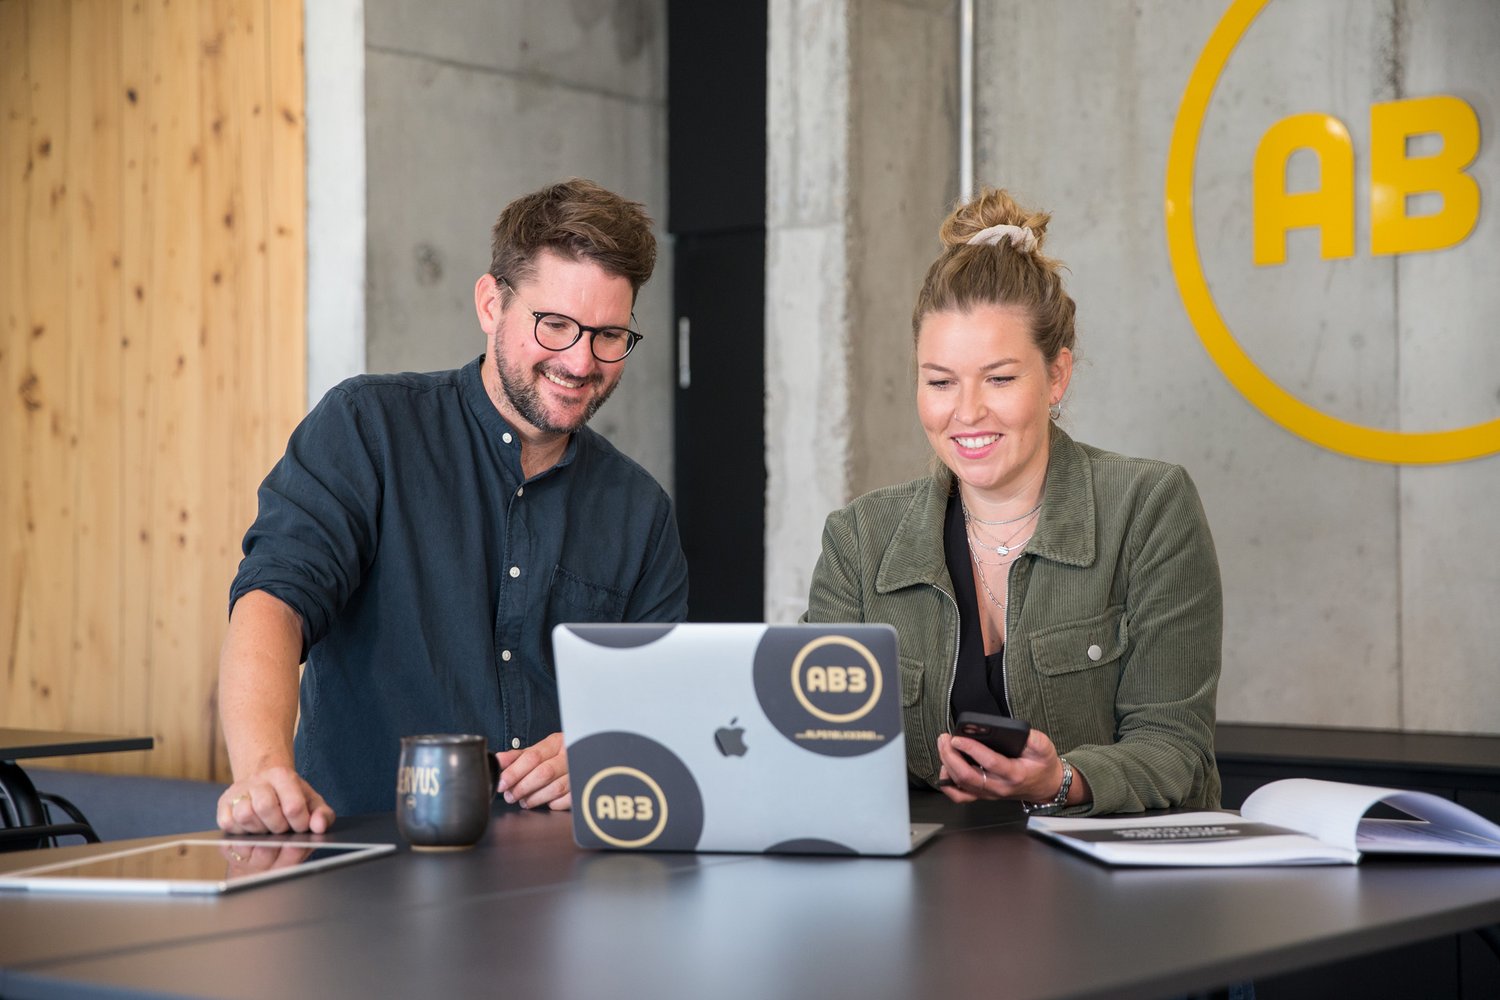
(1079, 664)
(921, 756)
(574, 599)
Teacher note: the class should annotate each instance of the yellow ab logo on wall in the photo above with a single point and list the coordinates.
(1394, 176)
(1396, 173)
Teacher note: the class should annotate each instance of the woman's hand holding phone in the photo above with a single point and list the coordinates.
(973, 769)
(1001, 733)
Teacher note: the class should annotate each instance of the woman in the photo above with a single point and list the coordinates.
(1032, 575)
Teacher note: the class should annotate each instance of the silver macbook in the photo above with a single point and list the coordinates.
(725, 737)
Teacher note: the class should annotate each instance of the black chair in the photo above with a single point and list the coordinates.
(18, 836)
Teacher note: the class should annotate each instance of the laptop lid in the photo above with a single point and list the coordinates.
(734, 737)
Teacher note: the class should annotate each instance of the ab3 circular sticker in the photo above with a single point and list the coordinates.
(826, 691)
(635, 794)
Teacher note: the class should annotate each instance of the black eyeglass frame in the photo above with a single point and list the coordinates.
(592, 331)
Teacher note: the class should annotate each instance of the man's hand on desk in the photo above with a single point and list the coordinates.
(273, 800)
(537, 775)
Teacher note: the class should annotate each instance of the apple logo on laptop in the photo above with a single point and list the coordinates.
(730, 739)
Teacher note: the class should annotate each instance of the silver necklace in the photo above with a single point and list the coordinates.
(979, 572)
(1001, 549)
(1010, 520)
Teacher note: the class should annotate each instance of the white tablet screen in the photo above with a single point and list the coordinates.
(189, 866)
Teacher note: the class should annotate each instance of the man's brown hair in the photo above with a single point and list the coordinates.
(579, 220)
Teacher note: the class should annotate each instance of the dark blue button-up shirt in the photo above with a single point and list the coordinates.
(429, 572)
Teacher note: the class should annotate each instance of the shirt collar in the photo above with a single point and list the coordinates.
(496, 427)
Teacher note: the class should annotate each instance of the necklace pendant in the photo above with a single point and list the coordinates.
(1002, 551)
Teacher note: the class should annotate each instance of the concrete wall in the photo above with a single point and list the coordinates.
(470, 103)
(903, 163)
(862, 165)
(1358, 593)
(334, 53)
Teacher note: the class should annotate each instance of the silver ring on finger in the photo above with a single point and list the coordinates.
(984, 777)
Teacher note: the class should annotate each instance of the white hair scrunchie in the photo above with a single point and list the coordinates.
(1021, 237)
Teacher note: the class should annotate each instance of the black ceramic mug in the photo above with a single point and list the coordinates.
(445, 784)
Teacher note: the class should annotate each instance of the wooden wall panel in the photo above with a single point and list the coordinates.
(175, 309)
(44, 621)
(153, 269)
(14, 131)
(96, 685)
(137, 388)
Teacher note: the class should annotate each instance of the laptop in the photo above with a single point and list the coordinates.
(747, 738)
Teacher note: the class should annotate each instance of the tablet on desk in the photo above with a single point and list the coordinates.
(189, 867)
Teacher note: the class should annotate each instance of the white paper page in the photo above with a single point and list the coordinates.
(1328, 810)
(1293, 849)
(1259, 849)
(1482, 836)
(1333, 811)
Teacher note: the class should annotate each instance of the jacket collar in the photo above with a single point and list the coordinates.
(1064, 532)
(915, 554)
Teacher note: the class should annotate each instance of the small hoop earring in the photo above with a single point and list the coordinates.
(1054, 411)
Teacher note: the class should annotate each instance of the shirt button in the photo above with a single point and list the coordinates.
(515, 571)
(506, 437)
(520, 490)
(1095, 653)
(505, 655)
(515, 742)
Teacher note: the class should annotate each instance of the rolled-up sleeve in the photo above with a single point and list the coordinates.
(315, 530)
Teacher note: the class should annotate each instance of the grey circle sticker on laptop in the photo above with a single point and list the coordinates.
(636, 794)
(827, 691)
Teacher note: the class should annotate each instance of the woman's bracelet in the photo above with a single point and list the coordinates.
(1059, 800)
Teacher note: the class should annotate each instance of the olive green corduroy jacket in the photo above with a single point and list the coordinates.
(1114, 621)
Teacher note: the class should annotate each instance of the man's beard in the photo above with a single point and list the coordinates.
(527, 400)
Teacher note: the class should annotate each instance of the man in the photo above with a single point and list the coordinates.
(424, 533)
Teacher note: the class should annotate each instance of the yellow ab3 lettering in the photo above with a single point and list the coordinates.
(623, 807)
(1395, 176)
(836, 680)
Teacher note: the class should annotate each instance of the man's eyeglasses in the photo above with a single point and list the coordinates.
(557, 332)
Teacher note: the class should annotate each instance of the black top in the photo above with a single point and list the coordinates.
(979, 680)
(429, 571)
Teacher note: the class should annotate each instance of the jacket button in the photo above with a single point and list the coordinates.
(1095, 653)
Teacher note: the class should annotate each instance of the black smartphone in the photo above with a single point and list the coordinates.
(1002, 734)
